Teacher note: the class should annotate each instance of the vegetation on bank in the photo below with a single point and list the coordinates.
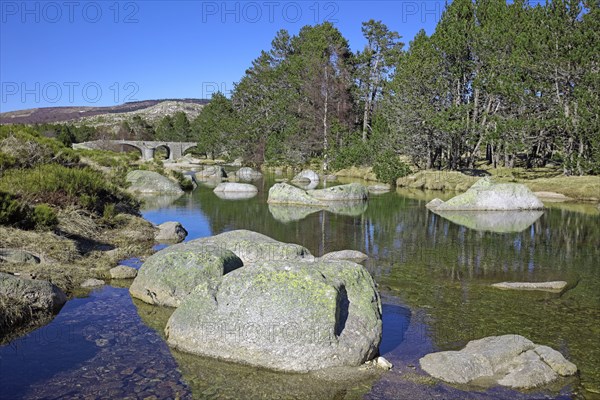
(62, 207)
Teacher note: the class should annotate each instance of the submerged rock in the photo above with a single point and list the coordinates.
(289, 316)
(231, 187)
(350, 255)
(151, 182)
(170, 232)
(379, 188)
(123, 272)
(508, 360)
(554, 286)
(88, 283)
(485, 195)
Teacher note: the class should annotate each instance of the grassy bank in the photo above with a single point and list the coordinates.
(69, 211)
(583, 188)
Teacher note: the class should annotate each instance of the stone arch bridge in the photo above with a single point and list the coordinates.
(175, 150)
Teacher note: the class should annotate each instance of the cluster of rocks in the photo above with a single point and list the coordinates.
(246, 297)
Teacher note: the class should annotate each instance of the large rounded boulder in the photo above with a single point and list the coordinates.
(486, 195)
(212, 172)
(349, 192)
(283, 193)
(288, 316)
(151, 182)
(248, 174)
(168, 276)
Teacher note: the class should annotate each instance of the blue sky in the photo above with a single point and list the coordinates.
(100, 53)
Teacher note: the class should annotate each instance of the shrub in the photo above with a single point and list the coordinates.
(13, 212)
(185, 184)
(356, 154)
(61, 186)
(44, 217)
(388, 167)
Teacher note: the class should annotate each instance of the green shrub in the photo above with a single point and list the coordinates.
(184, 183)
(14, 213)
(356, 154)
(44, 217)
(61, 186)
(388, 167)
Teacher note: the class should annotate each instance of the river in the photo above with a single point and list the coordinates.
(434, 276)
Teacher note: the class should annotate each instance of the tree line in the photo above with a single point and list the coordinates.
(505, 84)
(508, 84)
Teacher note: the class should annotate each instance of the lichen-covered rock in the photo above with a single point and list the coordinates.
(123, 272)
(248, 174)
(26, 304)
(350, 255)
(508, 360)
(212, 172)
(151, 182)
(231, 187)
(39, 295)
(18, 256)
(168, 276)
(252, 247)
(289, 316)
(283, 193)
(485, 195)
(170, 232)
(349, 192)
(435, 203)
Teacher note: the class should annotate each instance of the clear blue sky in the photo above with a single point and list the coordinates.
(92, 53)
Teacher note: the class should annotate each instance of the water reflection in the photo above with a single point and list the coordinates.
(235, 195)
(493, 221)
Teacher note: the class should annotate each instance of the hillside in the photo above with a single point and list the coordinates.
(104, 116)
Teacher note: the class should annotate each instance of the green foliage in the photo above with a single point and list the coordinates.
(185, 184)
(388, 167)
(14, 212)
(214, 125)
(44, 217)
(61, 186)
(356, 154)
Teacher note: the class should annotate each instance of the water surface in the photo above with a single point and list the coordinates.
(434, 274)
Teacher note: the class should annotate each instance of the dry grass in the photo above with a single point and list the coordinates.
(365, 173)
(85, 248)
(577, 187)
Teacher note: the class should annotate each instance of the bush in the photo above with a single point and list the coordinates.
(356, 154)
(14, 213)
(44, 217)
(61, 186)
(185, 184)
(388, 167)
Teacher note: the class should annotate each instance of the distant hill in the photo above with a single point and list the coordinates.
(150, 110)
